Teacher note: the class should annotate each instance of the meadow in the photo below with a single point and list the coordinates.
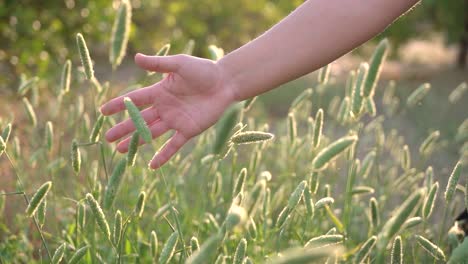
(324, 184)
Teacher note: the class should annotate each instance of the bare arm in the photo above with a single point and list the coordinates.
(315, 34)
(197, 91)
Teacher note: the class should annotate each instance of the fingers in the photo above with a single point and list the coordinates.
(172, 146)
(140, 97)
(157, 129)
(158, 63)
(126, 127)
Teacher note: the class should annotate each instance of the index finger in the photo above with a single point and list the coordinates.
(140, 97)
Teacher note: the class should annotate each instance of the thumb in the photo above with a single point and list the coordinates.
(158, 63)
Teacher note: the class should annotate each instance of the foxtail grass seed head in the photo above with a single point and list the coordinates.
(374, 212)
(207, 250)
(79, 254)
(292, 128)
(350, 82)
(324, 240)
(117, 232)
(429, 201)
(356, 97)
(282, 217)
(6, 132)
(30, 112)
(406, 158)
(324, 202)
(397, 251)
(169, 248)
(365, 250)
(164, 50)
(250, 137)
(97, 129)
(132, 149)
(84, 56)
(415, 97)
(302, 97)
(81, 215)
(49, 135)
(41, 212)
(402, 214)
(361, 190)
(318, 127)
(154, 244)
(225, 125)
(140, 205)
(38, 198)
(120, 33)
(323, 74)
(240, 252)
(343, 111)
(452, 182)
(75, 157)
(429, 178)
(114, 183)
(329, 153)
(239, 186)
(430, 247)
(412, 222)
(138, 120)
(65, 78)
(98, 215)
(194, 244)
(296, 195)
(376, 63)
(367, 164)
(428, 144)
(59, 253)
(458, 92)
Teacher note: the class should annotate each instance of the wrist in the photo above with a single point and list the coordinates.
(228, 82)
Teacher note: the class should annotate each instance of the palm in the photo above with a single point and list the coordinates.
(189, 100)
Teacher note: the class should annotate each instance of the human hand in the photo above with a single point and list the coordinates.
(189, 100)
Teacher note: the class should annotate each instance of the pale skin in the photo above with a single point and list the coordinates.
(196, 91)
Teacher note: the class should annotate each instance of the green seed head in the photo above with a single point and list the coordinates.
(117, 232)
(327, 154)
(84, 56)
(114, 183)
(452, 183)
(138, 120)
(430, 247)
(59, 253)
(240, 252)
(98, 215)
(169, 248)
(79, 254)
(296, 195)
(38, 198)
(397, 251)
(415, 97)
(140, 206)
(120, 33)
(250, 137)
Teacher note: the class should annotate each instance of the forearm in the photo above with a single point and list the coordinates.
(313, 35)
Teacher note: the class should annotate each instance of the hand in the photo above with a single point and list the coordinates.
(189, 100)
